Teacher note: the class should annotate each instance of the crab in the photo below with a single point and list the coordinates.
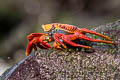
(60, 35)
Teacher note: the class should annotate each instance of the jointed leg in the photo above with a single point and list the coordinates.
(57, 36)
(67, 39)
(92, 32)
(56, 45)
(94, 40)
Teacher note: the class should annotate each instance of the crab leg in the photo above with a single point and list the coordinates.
(94, 40)
(57, 45)
(57, 36)
(67, 39)
(92, 32)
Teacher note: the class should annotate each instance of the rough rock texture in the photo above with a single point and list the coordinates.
(103, 64)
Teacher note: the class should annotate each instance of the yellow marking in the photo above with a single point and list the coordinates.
(46, 27)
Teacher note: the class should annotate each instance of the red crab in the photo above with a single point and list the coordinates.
(60, 34)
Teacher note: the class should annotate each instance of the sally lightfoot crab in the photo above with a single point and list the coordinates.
(60, 35)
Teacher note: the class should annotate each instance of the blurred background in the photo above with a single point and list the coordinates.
(19, 18)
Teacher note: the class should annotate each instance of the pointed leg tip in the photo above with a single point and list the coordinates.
(26, 53)
(89, 47)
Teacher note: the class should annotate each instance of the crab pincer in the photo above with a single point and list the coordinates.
(36, 40)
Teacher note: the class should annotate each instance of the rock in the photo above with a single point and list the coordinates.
(103, 64)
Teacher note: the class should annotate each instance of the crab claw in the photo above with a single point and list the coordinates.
(33, 35)
(36, 40)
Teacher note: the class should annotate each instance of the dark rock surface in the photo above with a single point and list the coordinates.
(103, 64)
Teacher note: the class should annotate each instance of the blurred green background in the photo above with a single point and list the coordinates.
(18, 18)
